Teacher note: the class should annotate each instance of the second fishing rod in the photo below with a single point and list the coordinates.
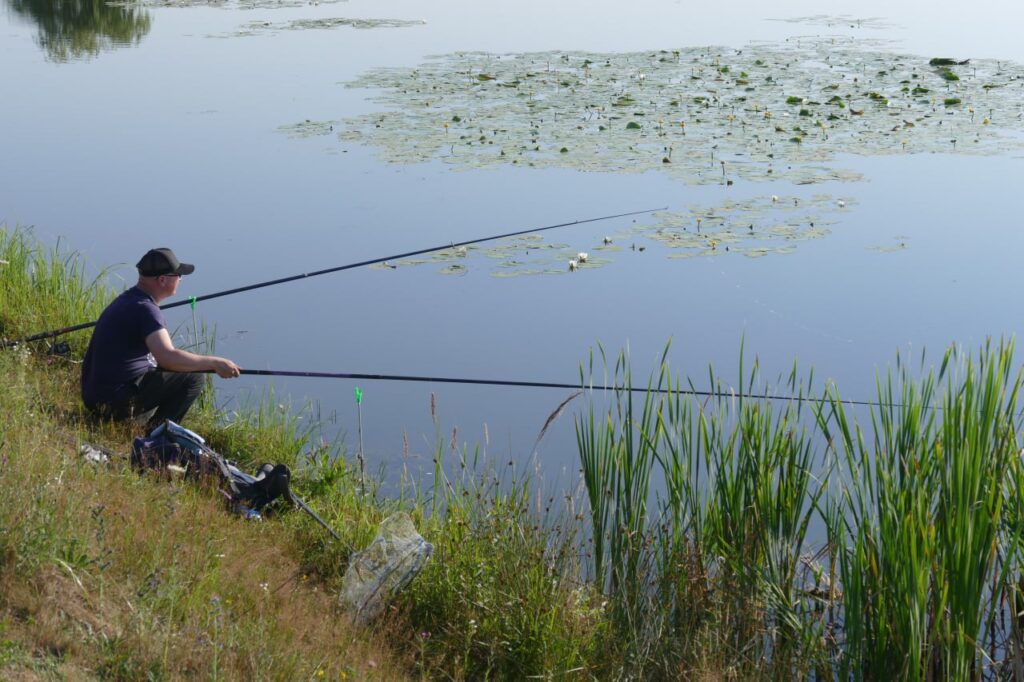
(627, 388)
(349, 266)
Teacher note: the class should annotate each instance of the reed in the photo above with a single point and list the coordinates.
(732, 486)
(617, 453)
(923, 547)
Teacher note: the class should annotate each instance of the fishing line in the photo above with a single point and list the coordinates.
(192, 300)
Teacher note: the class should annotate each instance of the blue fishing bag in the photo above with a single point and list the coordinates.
(172, 447)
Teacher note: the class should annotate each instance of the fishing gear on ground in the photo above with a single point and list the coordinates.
(374, 576)
(172, 447)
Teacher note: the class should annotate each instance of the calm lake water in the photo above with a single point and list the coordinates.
(125, 129)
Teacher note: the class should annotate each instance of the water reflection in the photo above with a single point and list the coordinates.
(79, 29)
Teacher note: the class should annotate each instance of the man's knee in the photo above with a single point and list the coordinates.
(195, 383)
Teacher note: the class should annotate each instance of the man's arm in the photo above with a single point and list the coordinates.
(169, 357)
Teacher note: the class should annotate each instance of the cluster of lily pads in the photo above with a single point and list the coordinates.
(259, 27)
(837, 20)
(752, 227)
(779, 111)
(223, 4)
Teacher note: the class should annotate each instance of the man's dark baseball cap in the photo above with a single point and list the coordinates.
(162, 261)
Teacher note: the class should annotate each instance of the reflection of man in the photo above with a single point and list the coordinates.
(120, 375)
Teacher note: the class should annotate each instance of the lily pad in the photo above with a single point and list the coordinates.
(308, 128)
(899, 245)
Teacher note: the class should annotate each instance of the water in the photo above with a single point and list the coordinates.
(167, 135)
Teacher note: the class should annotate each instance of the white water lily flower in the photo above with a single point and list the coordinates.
(573, 264)
(582, 256)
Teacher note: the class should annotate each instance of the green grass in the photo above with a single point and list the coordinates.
(45, 289)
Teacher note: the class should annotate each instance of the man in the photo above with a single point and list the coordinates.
(122, 373)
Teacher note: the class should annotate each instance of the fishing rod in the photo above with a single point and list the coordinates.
(537, 384)
(306, 275)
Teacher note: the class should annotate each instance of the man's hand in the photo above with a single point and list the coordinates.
(225, 368)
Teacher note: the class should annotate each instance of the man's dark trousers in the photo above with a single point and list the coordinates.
(169, 393)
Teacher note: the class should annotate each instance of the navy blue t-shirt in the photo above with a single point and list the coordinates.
(117, 354)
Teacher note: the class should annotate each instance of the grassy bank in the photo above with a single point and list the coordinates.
(154, 579)
(739, 538)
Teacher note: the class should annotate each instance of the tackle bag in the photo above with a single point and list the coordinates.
(170, 446)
